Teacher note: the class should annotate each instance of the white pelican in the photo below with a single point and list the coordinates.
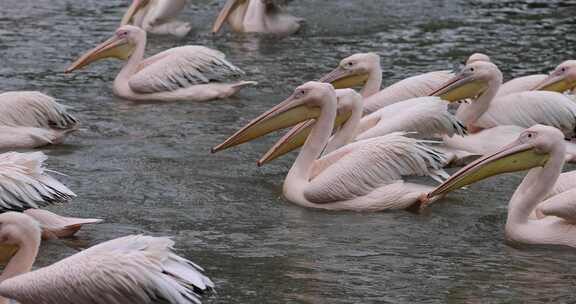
(32, 119)
(541, 148)
(25, 185)
(422, 117)
(562, 79)
(131, 269)
(189, 73)
(362, 176)
(257, 16)
(364, 69)
(157, 16)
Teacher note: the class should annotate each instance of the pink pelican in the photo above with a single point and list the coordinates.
(157, 16)
(187, 73)
(32, 119)
(257, 16)
(541, 149)
(364, 69)
(481, 81)
(362, 176)
(131, 269)
(25, 185)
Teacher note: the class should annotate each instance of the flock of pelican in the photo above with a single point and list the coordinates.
(356, 150)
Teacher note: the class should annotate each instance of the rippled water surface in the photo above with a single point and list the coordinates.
(146, 168)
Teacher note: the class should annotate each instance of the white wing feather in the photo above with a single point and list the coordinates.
(562, 205)
(24, 183)
(415, 86)
(426, 116)
(34, 109)
(526, 109)
(359, 168)
(132, 269)
(520, 84)
(182, 67)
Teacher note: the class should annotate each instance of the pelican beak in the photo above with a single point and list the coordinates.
(228, 8)
(132, 10)
(286, 114)
(7, 252)
(342, 78)
(297, 136)
(114, 47)
(517, 156)
(462, 86)
(556, 83)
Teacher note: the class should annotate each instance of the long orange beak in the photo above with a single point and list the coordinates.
(342, 78)
(517, 156)
(114, 47)
(286, 114)
(224, 14)
(132, 10)
(460, 87)
(557, 83)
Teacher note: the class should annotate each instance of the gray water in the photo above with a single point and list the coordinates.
(146, 168)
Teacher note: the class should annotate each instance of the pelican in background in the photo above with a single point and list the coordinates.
(562, 79)
(503, 117)
(362, 176)
(365, 70)
(541, 149)
(187, 73)
(25, 185)
(257, 16)
(131, 269)
(32, 119)
(157, 16)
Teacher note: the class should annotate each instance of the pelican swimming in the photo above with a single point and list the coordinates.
(32, 119)
(131, 269)
(25, 185)
(257, 16)
(481, 81)
(364, 69)
(541, 149)
(362, 176)
(187, 73)
(157, 16)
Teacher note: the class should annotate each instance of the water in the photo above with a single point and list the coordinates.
(146, 168)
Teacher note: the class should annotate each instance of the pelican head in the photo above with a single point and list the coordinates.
(16, 230)
(562, 79)
(135, 7)
(348, 101)
(353, 71)
(473, 80)
(532, 149)
(478, 57)
(120, 46)
(304, 104)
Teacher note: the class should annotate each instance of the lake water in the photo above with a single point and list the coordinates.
(146, 168)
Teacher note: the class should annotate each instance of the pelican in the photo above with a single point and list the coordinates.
(422, 117)
(131, 269)
(257, 16)
(562, 79)
(25, 185)
(364, 69)
(32, 119)
(192, 73)
(541, 149)
(157, 16)
(362, 176)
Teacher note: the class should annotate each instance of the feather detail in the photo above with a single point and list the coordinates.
(132, 269)
(358, 168)
(24, 183)
(182, 67)
(34, 109)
